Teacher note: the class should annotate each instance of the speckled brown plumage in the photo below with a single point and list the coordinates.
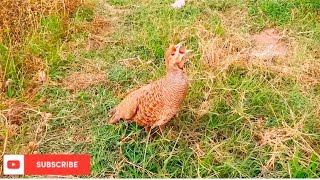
(156, 103)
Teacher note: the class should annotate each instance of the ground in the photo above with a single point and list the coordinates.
(252, 110)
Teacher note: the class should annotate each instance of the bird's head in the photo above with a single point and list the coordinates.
(175, 57)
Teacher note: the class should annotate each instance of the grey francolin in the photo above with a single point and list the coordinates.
(156, 103)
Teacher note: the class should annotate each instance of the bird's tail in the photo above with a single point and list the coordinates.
(114, 116)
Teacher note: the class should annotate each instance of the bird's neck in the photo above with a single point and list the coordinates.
(176, 73)
(174, 70)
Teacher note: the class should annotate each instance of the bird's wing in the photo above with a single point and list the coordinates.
(150, 104)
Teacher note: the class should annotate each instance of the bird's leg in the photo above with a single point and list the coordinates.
(161, 128)
(126, 123)
(147, 129)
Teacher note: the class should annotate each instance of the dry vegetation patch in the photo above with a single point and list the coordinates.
(19, 17)
(268, 50)
(113, 13)
(21, 22)
(13, 110)
(12, 117)
(89, 73)
(99, 28)
(220, 53)
(3, 83)
(80, 81)
(278, 139)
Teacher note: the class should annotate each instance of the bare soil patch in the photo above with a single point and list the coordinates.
(268, 45)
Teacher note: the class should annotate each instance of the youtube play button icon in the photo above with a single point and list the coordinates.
(13, 164)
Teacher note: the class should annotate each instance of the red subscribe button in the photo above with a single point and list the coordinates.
(53, 164)
(57, 164)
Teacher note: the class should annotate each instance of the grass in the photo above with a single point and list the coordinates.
(237, 120)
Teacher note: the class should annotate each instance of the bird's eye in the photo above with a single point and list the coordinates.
(172, 54)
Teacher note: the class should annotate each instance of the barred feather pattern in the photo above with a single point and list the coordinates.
(154, 104)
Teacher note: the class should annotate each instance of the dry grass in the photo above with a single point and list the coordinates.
(84, 74)
(278, 139)
(17, 113)
(81, 81)
(11, 116)
(13, 110)
(268, 50)
(100, 26)
(20, 25)
(19, 18)
(20, 22)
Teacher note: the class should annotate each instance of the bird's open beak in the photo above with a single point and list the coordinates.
(180, 54)
(179, 45)
(188, 51)
(180, 51)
